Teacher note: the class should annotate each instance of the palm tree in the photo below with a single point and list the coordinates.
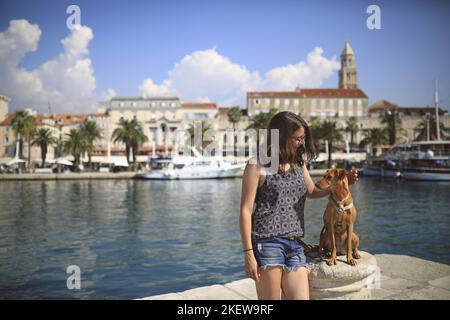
(18, 125)
(234, 116)
(316, 130)
(352, 128)
(44, 138)
(261, 121)
(138, 137)
(205, 126)
(130, 133)
(375, 137)
(123, 134)
(332, 134)
(91, 132)
(75, 144)
(29, 131)
(422, 127)
(391, 119)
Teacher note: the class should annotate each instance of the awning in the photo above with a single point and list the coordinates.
(15, 161)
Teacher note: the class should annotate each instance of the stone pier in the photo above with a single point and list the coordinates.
(377, 277)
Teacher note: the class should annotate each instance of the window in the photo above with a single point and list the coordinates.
(277, 102)
(267, 101)
(153, 104)
(163, 104)
(313, 103)
(286, 102)
(296, 102)
(173, 104)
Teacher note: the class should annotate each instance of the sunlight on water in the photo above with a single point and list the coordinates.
(135, 238)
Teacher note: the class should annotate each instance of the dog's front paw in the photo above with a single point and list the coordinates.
(351, 261)
(332, 261)
(356, 255)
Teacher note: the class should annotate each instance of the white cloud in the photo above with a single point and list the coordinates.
(204, 76)
(208, 76)
(108, 94)
(67, 82)
(311, 73)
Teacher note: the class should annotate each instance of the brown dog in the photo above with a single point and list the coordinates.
(339, 218)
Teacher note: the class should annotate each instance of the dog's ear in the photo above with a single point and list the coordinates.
(342, 174)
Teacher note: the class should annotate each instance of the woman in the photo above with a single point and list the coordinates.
(272, 211)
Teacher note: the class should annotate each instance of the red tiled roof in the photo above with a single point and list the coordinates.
(382, 105)
(199, 105)
(274, 94)
(310, 93)
(335, 93)
(7, 121)
(62, 118)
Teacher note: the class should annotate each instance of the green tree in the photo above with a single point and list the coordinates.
(234, 116)
(28, 134)
(422, 128)
(375, 137)
(205, 126)
(75, 144)
(330, 133)
(351, 126)
(316, 131)
(130, 133)
(261, 121)
(91, 132)
(391, 119)
(18, 125)
(44, 138)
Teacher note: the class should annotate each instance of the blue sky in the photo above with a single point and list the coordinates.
(137, 40)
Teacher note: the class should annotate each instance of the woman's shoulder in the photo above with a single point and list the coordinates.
(254, 164)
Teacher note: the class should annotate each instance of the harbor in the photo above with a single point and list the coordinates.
(134, 238)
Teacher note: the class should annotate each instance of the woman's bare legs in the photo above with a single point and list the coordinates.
(269, 285)
(295, 284)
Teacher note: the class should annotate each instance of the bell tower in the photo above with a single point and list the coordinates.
(348, 74)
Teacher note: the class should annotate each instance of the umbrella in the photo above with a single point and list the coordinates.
(64, 162)
(14, 161)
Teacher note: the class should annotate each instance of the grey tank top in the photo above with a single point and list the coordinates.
(279, 205)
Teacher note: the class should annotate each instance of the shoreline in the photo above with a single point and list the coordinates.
(402, 278)
(93, 175)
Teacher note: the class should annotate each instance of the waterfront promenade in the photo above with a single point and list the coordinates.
(402, 278)
(91, 175)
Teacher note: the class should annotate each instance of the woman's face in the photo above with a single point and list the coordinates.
(297, 138)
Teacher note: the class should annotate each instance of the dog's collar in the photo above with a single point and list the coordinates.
(339, 205)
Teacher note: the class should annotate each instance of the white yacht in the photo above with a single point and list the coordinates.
(426, 160)
(196, 167)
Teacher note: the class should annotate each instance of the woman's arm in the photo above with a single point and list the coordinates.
(249, 186)
(312, 191)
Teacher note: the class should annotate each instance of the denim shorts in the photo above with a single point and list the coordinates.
(279, 252)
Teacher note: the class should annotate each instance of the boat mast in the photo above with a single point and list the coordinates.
(436, 104)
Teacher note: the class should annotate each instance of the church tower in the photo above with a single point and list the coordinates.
(348, 75)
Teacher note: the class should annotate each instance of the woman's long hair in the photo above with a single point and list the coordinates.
(287, 123)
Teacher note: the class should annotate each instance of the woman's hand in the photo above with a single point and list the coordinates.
(352, 177)
(251, 266)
